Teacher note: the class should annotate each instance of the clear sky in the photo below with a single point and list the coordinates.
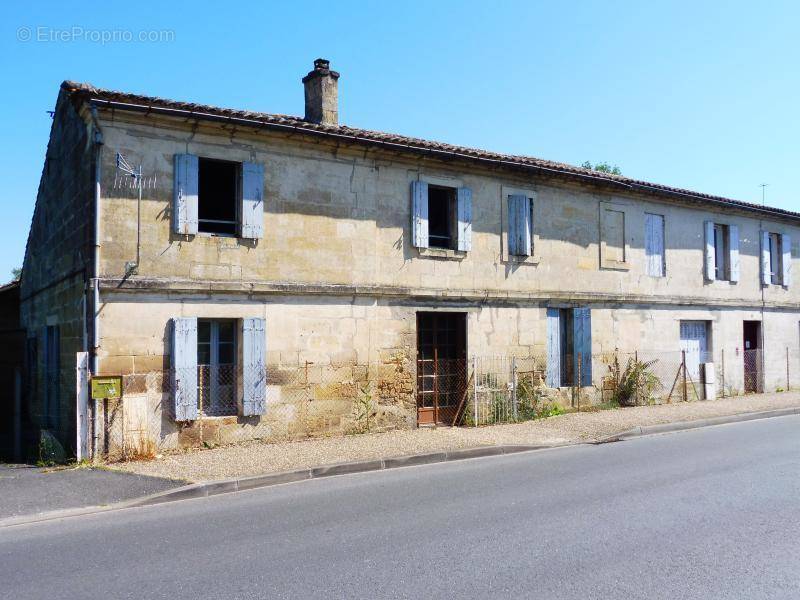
(699, 95)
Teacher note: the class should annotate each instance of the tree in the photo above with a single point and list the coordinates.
(16, 274)
(602, 167)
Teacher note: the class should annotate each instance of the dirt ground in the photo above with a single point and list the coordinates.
(254, 458)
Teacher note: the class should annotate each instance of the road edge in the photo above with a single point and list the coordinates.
(225, 486)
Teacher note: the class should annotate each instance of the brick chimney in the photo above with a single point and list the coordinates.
(322, 94)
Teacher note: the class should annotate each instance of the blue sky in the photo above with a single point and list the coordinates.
(699, 95)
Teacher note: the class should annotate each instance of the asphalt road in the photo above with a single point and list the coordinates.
(709, 513)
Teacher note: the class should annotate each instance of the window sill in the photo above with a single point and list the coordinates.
(443, 253)
(612, 265)
(522, 260)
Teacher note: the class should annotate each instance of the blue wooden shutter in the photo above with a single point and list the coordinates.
(185, 195)
(252, 200)
(765, 259)
(184, 367)
(733, 252)
(786, 260)
(254, 370)
(519, 225)
(654, 245)
(709, 253)
(553, 372)
(419, 214)
(582, 344)
(464, 219)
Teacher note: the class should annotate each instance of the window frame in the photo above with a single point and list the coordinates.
(722, 269)
(663, 218)
(775, 258)
(606, 261)
(451, 219)
(212, 406)
(237, 198)
(534, 258)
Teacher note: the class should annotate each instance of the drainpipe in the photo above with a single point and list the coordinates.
(95, 280)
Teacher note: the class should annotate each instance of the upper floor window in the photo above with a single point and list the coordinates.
(776, 258)
(520, 225)
(218, 197)
(441, 216)
(218, 182)
(721, 252)
(654, 245)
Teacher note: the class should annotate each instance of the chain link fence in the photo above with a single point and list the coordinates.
(208, 406)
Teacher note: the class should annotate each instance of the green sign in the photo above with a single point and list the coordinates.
(106, 388)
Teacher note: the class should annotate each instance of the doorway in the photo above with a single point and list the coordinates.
(751, 354)
(441, 365)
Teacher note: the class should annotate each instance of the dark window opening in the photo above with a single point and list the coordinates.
(216, 366)
(441, 211)
(566, 322)
(775, 259)
(217, 196)
(721, 252)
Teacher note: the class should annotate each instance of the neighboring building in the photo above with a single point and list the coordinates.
(12, 339)
(268, 244)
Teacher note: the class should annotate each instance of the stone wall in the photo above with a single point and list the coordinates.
(57, 259)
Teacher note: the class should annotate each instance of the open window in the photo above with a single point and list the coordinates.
(441, 217)
(218, 194)
(218, 197)
(722, 252)
(776, 259)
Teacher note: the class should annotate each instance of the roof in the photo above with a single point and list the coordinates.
(151, 104)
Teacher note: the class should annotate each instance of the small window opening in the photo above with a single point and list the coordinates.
(775, 259)
(721, 252)
(217, 196)
(441, 213)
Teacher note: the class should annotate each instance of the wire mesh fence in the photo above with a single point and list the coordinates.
(213, 405)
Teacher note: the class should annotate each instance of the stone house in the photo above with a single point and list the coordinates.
(253, 249)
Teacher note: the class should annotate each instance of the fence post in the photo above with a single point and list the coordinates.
(475, 390)
(578, 380)
(435, 387)
(514, 387)
(723, 371)
(787, 368)
(636, 389)
(17, 415)
(683, 372)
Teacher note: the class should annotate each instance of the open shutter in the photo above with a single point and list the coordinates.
(184, 203)
(519, 225)
(553, 373)
(252, 200)
(786, 259)
(733, 252)
(254, 370)
(464, 219)
(765, 259)
(709, 255)
(419, 214)
(184, 367)
(582, 344)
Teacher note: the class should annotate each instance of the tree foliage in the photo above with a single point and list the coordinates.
(602, 167)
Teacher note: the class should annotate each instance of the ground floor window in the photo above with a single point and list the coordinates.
(216, 366)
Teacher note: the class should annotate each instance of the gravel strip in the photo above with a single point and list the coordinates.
(255, 458)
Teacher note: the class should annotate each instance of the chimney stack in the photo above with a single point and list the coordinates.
(322, 94)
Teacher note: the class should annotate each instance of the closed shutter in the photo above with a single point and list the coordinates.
(786, 260)
(582, 344)
(709, 253)
(519, 225)
(185, 196)
(252, 200)
(464, 219)
(184, 367)
(654, 245)
(733, 252)
(254, 371)
(419, 214)
(765, 259)
(553, 374)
